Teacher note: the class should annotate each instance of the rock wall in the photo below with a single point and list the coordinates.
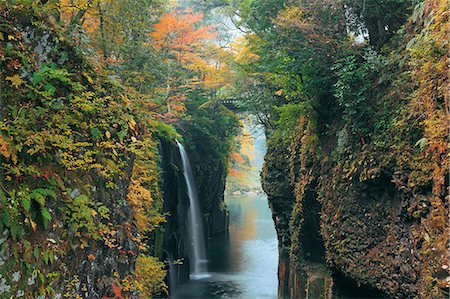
(368, 238)
(372, 233)
(374, 179)
(68, 226)
(91, 271)
(297, 278)
(276, 183)
(176, 205)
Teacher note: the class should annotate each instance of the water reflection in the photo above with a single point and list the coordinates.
(244, 263)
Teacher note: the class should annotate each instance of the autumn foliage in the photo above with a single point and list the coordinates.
(178, 33)
(182, 41)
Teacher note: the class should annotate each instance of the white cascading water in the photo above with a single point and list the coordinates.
(172, 278)
(198, 253)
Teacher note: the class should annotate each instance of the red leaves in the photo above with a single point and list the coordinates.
(117, 290)
(14, 64)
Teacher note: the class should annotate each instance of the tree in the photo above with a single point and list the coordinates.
(182, 42)
(381, 18)
(177, 34)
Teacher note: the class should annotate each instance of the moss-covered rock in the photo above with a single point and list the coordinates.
(73, 147)
(382, 196)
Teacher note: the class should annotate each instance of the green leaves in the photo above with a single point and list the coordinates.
(32, 203)
(50, 89)
(96, 133)
(26, 203)
(81, 217)
(37, 78)
(40, 195)
(122, 134)
(421, 143)
(46, 217)
(355, 77)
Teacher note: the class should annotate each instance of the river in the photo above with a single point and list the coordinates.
(244, 262)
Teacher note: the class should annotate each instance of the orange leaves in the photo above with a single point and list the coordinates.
(176, 32)
(241, 160)
(182, 41)
(14, 64)
(237, 157)
(117, 290)
(179, 34)
(175, 103)
(234, 173)
(5, 150)
(91, 257)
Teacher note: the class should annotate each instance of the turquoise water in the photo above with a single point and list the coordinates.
(244, 263)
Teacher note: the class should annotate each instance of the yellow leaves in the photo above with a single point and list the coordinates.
(33, 224)
(141, 200)
(126, 100)
(83, 244)
(293, 17)
(150, 276)
(132, 124)
(4, 150)
(91, 18)
(88, 78)
(143, 192)
(241, 49)
(279, 92)
(16, 80)
(2, 38)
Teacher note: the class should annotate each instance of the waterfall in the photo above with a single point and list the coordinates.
(195, 228)
(172, 277)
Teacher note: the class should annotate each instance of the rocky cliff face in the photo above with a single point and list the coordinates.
(91, 271)
(374, 232)
(335, 232)
(276, 183)
(297, 278)
(370, 197)
(211, 188)
(68, 225)
(176, 204)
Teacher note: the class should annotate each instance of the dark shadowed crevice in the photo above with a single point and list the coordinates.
(311, 239)
(345, 287)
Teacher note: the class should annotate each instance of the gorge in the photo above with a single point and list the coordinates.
(224, 149)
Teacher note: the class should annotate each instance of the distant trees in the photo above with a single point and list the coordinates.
(181, 42)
